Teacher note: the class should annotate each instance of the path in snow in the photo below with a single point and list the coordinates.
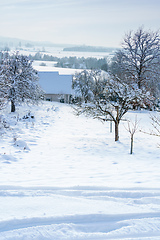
(79, 213)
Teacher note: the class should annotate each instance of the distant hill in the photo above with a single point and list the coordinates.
(16, 42)
(88, 49)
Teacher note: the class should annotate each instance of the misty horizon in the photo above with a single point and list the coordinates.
(8, 41)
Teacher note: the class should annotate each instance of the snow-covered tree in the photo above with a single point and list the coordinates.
(20, 78)
(88, 85)
(139, 59)
(3, 96)
(116, 100)
(4, 83)
(82, 85)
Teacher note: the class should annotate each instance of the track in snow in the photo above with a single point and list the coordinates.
(88, 213)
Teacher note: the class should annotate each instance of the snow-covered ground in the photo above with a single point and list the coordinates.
(64, 177)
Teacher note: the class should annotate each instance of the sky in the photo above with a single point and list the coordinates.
(89, 22)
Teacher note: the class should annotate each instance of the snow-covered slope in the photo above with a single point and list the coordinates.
(64, 177)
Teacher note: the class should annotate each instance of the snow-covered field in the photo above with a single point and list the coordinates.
(58, 52)
(64, 177)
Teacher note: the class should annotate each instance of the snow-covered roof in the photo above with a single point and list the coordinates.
(66, 71)
(54, 83)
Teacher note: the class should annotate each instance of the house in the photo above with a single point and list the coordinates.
(57, 87)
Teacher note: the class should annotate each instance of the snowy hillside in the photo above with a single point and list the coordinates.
(64, 177)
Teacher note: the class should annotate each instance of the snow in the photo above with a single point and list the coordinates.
(64, 177)
(51, 68)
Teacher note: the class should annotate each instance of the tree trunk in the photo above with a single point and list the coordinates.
(13, 108)
(131, 144)
(110, 126)
(116, 131)
(117, 124)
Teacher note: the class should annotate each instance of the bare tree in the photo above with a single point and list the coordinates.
(139, 59)
(132, 129)
(156, 125)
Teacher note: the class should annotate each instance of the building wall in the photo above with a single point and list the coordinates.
(58, 97)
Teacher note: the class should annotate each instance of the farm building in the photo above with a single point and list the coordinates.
(57, 87)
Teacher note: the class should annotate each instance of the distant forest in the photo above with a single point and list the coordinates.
(73, 62)
(88, 49)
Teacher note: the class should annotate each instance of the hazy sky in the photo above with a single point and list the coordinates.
(90, 22)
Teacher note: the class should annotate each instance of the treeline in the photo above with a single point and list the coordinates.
(83, 63)
(43, 57)
(73, 62)
(88, 49)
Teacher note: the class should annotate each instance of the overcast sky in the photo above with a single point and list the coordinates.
(90, 22)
